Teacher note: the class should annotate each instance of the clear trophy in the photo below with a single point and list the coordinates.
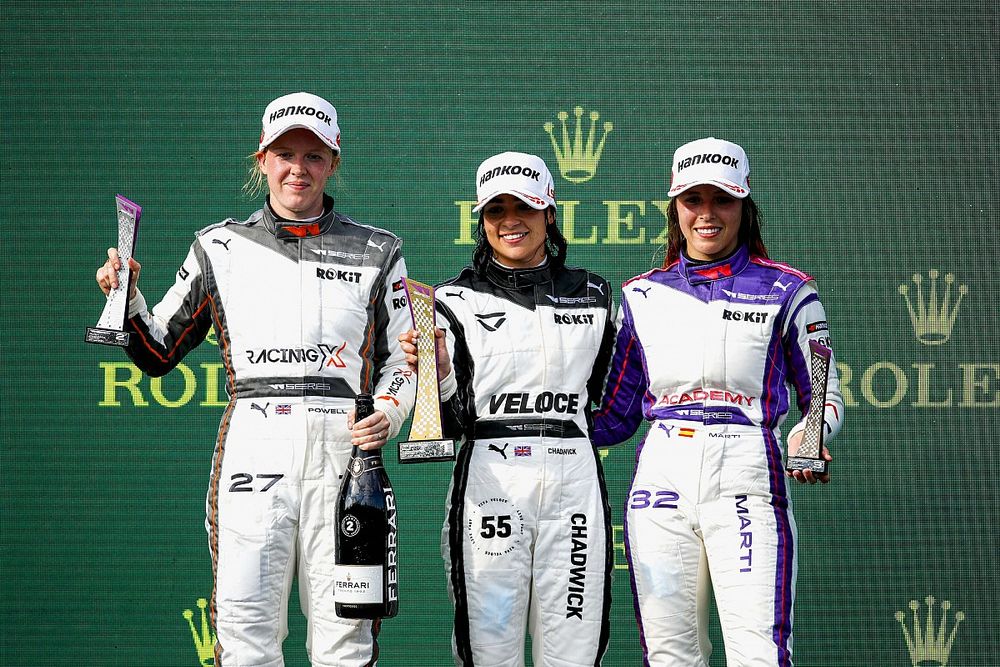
(426, 442)
(110, 328)
(810, 454)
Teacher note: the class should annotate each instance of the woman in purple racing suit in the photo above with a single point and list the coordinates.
(710, 348)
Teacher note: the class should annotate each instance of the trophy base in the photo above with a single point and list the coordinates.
(806, 463)
(426, 451)
(106, 336)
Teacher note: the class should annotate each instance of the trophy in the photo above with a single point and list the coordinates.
(810, 454)
(110, 328)
(426, 440)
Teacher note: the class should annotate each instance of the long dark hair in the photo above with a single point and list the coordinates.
(750, 234)
(555, 243)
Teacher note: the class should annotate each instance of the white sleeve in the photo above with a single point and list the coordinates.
(396, 387)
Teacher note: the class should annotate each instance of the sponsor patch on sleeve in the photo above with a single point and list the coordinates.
(398, 285)
(813, 327)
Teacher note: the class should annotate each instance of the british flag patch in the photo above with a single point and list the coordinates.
(283, 409)
(522, 450)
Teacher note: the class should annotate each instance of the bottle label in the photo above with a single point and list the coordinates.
(357, 584)
(359, 466)
(349, 525)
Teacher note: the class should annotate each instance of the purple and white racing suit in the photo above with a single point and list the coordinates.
(709, 353)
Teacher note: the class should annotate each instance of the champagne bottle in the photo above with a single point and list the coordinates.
(365, 546)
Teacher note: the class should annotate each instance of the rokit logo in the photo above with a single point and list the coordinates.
(930, 380)
(338, 274)
(587, 318)
(757, 317)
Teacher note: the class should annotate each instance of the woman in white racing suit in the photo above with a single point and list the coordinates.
(301, 298)
(523, 349)
(709, 350)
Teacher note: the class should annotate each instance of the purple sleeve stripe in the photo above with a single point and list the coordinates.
(809, 299)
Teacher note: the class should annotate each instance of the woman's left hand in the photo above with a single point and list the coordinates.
(372, 432)
(807, 476)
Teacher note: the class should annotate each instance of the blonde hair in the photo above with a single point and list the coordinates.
(256, 183)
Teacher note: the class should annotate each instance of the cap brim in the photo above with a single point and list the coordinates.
(529, 199)
(327, 141)
(735, 190)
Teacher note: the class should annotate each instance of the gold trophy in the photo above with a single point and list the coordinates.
(110, 329)
(426, 442)
(810, 454)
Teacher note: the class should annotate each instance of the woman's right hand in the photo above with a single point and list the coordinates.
(107, 275)
(408, 343)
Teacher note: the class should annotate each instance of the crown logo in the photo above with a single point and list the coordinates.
(578, 161)
(926, 646)
(933, 321)
(204, 639)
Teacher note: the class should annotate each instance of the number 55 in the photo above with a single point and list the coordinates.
(500, 529)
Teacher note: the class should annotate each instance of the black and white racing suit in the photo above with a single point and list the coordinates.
(527, 520)
(306, 316)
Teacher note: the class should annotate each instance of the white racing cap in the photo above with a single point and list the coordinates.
(710, 161)
(300, 110)
(520, 174)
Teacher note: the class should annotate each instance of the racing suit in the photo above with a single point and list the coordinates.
(709, 354)
(306, 316)
(527, 521)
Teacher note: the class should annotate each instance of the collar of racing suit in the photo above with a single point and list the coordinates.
(517, 278)
(702, 272)
(290, 230)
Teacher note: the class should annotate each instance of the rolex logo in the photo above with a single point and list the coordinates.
(933, 319)
(929, 645)
(204, 639)
(578, 160)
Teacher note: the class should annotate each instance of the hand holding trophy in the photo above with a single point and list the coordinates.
(110, 328)
(426, 439)
(809, 454)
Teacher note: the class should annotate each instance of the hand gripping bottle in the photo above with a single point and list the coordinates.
(365, 547)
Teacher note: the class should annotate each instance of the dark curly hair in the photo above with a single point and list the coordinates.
(555, 243)
(750, 231)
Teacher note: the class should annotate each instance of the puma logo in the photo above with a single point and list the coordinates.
(372, 244)
(641, 291)
(784, 288)
(460, 295)
(503, 452)
(599, 288)
(263, 410)
(666, 428)
(224, 244)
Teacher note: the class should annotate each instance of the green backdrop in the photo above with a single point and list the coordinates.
(872, 130)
